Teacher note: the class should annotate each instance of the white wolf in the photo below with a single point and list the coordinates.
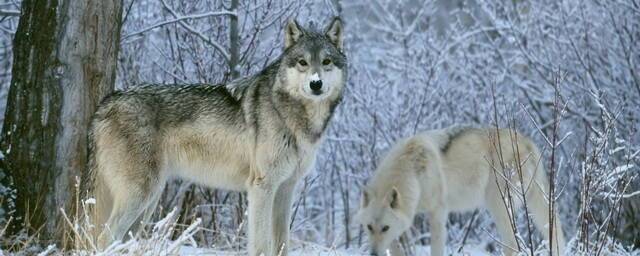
(455, 169)
(259, 134)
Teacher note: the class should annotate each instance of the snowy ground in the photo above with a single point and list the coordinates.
(317, 250)
(162, 239)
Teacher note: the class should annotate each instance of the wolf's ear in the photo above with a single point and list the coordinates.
(395, 198)
(334, 32)
(292, 33)
(365, 199)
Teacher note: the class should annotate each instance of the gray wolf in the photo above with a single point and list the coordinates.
(258, 134)
(453, 170)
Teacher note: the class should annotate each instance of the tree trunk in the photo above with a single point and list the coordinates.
(65, 55)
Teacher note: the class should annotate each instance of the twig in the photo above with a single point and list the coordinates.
(178, 19)
(468, 230)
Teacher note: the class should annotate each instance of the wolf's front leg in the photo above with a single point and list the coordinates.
(282, 216)
(261, 194)
(438, 232)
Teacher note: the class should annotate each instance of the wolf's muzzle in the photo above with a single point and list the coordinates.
(316, 87)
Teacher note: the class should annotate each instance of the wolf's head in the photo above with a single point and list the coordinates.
(313, 66)
(384, 219)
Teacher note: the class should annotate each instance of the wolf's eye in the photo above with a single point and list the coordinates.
(370, 227)
(385, 228)
(302, 62)
(326, 62)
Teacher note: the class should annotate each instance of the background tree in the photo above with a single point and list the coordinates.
(64, 63)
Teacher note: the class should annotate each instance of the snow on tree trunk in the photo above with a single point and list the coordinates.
(64, 64)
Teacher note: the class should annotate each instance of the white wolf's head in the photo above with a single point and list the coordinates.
(384, 219)
(313, 66)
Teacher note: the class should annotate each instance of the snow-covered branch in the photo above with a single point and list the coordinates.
(9, 13)
(182, 21)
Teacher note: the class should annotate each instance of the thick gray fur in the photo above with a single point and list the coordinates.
(257, 134)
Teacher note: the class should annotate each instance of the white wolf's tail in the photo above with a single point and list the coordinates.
(538, 201)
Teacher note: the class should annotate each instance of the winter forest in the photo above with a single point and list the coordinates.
(565, 73)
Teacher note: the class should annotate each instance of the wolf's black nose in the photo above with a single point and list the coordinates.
(316, 85)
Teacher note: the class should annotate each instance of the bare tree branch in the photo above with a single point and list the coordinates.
(177, 19)
(225, 53)
(181, 20)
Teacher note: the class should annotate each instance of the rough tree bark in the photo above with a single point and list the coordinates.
(64, 63)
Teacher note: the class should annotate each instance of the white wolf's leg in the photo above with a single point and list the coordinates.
(500, 214)
(540, 210)
(261, 195)
(282, 216)
(438, 232)
(538, 203)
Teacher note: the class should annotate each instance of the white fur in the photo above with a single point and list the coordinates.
(314, 77)
(462, 178)
(299, 80)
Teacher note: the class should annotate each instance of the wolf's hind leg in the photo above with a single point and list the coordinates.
(149, 209)
(538, 200)
(129, 203)
(438, 232)
(540, 210)
(500, 213)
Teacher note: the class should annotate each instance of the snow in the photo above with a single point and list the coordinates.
(317, 250)
(4, 12)
(623, 168)
(47, 251)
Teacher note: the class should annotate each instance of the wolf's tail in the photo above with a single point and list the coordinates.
(96, 201)
(538, 201)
